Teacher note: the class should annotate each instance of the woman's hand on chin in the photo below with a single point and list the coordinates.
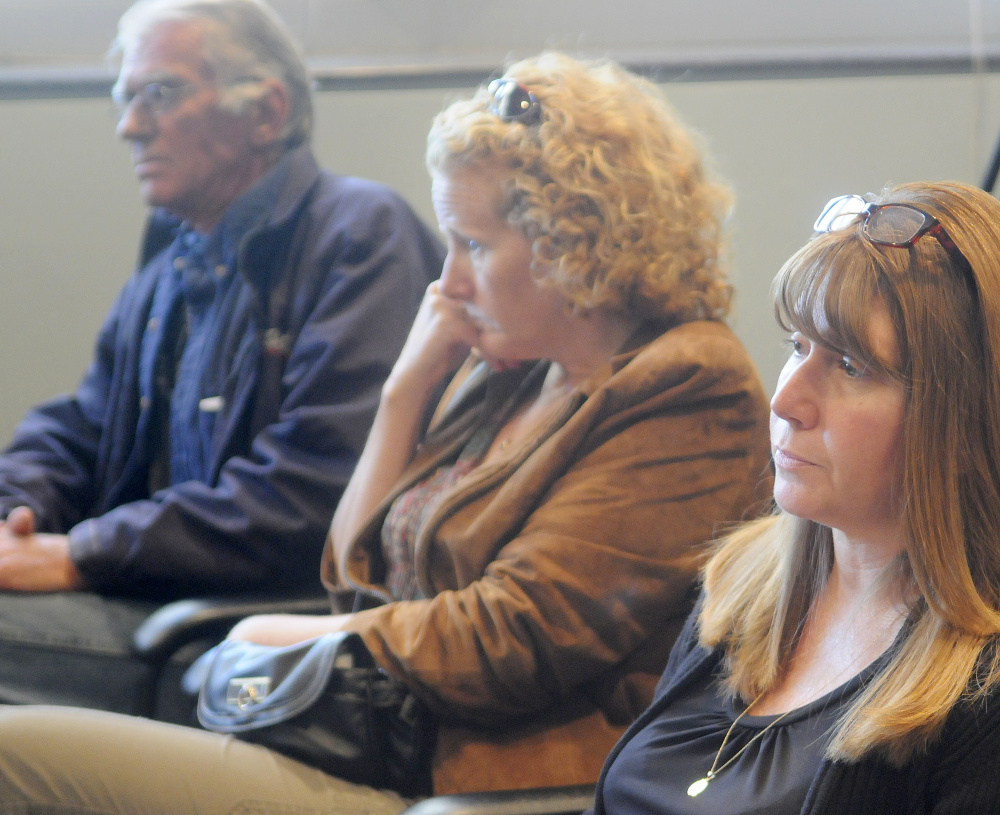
(440, 339)
(286, 629)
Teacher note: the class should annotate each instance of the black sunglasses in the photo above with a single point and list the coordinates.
(513, 102)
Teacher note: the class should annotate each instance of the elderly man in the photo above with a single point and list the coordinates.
(237, 374)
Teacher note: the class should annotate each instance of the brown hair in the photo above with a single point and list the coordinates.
(762, 579)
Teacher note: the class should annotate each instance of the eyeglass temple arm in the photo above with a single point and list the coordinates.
(938, 232)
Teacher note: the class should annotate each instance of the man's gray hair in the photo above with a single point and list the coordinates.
(244, 41)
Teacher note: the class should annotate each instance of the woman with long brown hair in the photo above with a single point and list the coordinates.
(842, 657)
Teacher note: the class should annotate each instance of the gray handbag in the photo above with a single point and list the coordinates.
(323, 702)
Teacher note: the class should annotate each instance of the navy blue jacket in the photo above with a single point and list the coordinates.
(355, 262)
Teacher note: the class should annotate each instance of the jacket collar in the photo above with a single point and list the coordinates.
(302, 173)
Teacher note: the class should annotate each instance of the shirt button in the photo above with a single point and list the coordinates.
(220, 270)
(153, 324)
(144, 402)
(180, 263)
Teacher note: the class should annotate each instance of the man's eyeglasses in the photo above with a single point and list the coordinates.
(513, 102)
(153, 97)
(895, 225)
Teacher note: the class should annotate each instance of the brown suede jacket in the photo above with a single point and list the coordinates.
(558, 577)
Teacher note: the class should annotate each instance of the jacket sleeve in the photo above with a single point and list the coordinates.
(51, 460)
(54, 461)
(264, 520)
(602, 565)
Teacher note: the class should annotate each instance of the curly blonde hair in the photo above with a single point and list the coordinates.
(610, 187)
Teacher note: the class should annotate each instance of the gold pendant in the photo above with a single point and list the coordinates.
(698, 787)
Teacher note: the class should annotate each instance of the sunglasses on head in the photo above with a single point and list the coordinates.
(513, 102)
(896, 225)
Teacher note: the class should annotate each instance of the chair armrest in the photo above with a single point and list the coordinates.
(540, 801)
(176, 624)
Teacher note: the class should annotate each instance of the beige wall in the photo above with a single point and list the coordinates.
(367, 35)
(70, 216)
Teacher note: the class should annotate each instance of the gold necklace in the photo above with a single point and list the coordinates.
(699, 786)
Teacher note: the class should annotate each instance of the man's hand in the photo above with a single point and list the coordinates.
(31, 561)
(21, 521)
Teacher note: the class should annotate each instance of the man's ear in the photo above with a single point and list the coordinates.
(269, 113)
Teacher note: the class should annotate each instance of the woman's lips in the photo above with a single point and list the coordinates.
(785, 460)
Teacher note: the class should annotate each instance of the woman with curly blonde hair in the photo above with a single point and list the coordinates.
(843, 656)
(609, 186)
(523, 561)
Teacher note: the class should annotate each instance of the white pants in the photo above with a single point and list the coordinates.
(71, 760)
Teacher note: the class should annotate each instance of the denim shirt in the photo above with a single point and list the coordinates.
(204, 269)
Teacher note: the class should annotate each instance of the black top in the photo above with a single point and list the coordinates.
(772, 775)
(957, 774)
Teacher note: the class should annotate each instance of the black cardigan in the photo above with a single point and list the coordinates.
(959, 773)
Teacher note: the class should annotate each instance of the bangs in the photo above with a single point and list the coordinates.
(826, 291)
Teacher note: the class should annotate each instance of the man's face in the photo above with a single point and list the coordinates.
(191, 157)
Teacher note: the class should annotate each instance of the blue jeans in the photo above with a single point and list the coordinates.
(75, 648)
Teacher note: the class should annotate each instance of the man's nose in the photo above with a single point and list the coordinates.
(135, 122)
